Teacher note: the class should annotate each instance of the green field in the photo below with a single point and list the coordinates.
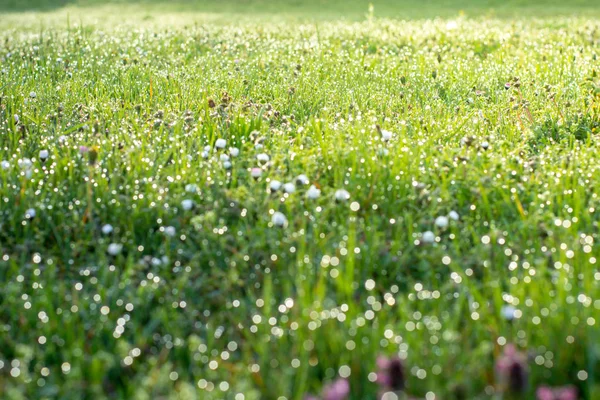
(256, 200)
(311, 10)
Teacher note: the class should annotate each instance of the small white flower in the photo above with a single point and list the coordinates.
(187, 204)
(191, 188)
(227, 164)
(386, 136)
(5, 164)
(114, 249)
(508, 312)
(441, 222)
(30, 213)
(205, 154)
(224, 157)
(428, 237)
(107, 229)
(342, 195)
(156, 261)
(220, 143)
(289, 187)
(278, 219)
(256, 172)
(33, 95)
(170, 231)
(262, 157)
(302, 180)
(453, 215)
(234, 151)
(275, 185)
(44, 155)
(25, 163)
(313, 192)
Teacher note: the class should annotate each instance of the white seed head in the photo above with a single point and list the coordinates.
(187, 204)
(227, 164)
(453, 215)
(289, 187)
(114, 249)
(33, 95)
(234, 151)
(275, 185)
(5, 164)
(170, 231)
(386, 136)
(278, 219)
(44, 155)
(313, 192)
(302, 180)
(441, 221)
(25, 163)
(428, 237)
(342, 195)
(508, 312)
(262, 157)
(191, 188)
(220, 143)
(30, 213)
(107, 229)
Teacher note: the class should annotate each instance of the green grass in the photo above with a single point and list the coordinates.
(232, 304)
(333, 9)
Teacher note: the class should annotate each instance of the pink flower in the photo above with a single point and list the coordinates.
(558, 393)
(512, 372)
(390, 373)
(256, 173)
(337, 390)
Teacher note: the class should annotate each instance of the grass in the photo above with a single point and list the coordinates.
(114, 286)
(324, 9)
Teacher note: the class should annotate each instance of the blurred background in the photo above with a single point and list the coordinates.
(350, 9)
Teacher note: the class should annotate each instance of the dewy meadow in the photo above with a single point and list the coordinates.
(223, 204)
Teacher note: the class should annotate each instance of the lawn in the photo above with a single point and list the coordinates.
(262, 200)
